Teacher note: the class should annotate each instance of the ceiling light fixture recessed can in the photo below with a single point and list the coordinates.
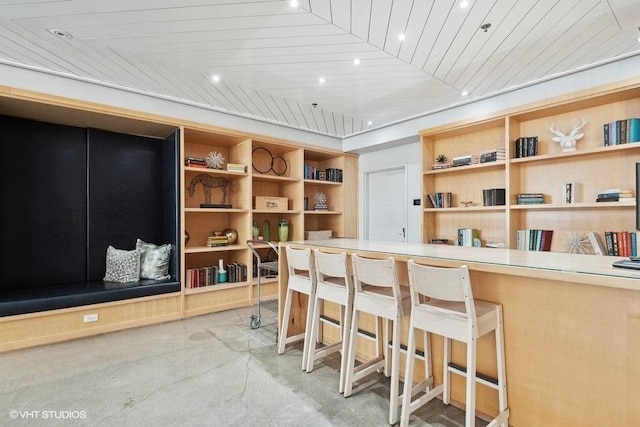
(463, 4)
(356, 61)
(294, 3)
(402, 36)
(61, 33)
(322, 80)
(465, 93)
(369, 123)
(215, 78)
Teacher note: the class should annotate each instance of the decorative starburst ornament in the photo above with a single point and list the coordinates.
(320, 200)
(577, 242)
(215, 160)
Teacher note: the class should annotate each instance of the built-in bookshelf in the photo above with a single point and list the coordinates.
(544, 171)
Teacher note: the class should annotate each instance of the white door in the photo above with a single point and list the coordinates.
(386, 204)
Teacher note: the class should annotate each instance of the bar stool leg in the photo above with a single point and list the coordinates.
(344, 352)
(502, 377)
(408, 376)
(312, 335)
(282, 339)
(307, 344)
(446, 374)
(395, 373)
(351, 360)
(471, 383)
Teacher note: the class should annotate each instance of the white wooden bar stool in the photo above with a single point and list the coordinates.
(302, 279)
(378, 293)
(443, 304)
(334, 284)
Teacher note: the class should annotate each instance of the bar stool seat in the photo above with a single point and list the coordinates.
(334, 284)
(442, 303)
(302, 279)
(378, 293)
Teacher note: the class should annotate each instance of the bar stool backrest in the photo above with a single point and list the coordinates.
(333, 268)
(445, 284)
(376, 278)
(301, 269)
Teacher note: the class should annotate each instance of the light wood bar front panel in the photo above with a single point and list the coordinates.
(571, 337)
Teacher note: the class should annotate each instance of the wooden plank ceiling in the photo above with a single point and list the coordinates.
(269, 56)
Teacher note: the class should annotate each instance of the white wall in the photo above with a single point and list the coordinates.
(405, 155)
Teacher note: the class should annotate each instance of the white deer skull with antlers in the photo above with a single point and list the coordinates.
(568, 142)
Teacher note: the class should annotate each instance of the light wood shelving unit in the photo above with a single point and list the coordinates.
(594, 166)
(197, 140)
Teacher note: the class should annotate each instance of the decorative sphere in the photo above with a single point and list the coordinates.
(232, 235)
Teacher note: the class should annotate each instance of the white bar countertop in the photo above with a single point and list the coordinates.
(580, 268)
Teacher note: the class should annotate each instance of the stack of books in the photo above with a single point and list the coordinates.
(203, 276)
(493, 197)
(468, 237)
(530, 198)
(441, 166)
(526, 146)
(213, 241)
(440, 200)
(492, 155)
(534, 240)
(465, 160)
(622, 132)
(196, 162)
(235, 167)
(616, 195)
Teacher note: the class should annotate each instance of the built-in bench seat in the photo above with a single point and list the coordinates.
(31, 300)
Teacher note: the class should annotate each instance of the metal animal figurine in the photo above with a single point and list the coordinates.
(208, 183)
(568, 142)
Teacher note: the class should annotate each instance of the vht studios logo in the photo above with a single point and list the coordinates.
(54, 415)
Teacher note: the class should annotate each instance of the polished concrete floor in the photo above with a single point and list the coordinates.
(212, 370)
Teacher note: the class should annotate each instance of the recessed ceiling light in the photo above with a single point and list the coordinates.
(463, 4)
(465, 93)
(356, 61)
(369, 123)
(61, 33)
(322, 80)
(294, 3)
(215, 78)
(402, 36)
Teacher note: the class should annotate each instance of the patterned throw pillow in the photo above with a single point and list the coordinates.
(122, 266)
(154, 260)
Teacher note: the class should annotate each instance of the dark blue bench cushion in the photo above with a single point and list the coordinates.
(35, 299)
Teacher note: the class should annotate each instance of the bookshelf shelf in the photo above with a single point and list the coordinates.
(323, 212)
(213, 171)
(205, 249)
(215, 288)
(321, 182)
(592, 167)
(469, 168)
(274, 178)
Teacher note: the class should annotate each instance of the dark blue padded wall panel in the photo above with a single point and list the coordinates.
(125, 194)
(171, 200)
(43, 209)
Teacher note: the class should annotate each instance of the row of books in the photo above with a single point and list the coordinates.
(622, 131)
(466, 160)
(235, 167)
(492, 155)
(328, 174)
(534, 240)
(440, 200)
(526, 146)
(530, 198)
(616, 195)
(208, 276)
(468, 237)
(493, 197)
(620, 243)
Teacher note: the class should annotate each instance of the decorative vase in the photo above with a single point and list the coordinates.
(255, 231)
(222, 273)
(283, 230)
(266, 227)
